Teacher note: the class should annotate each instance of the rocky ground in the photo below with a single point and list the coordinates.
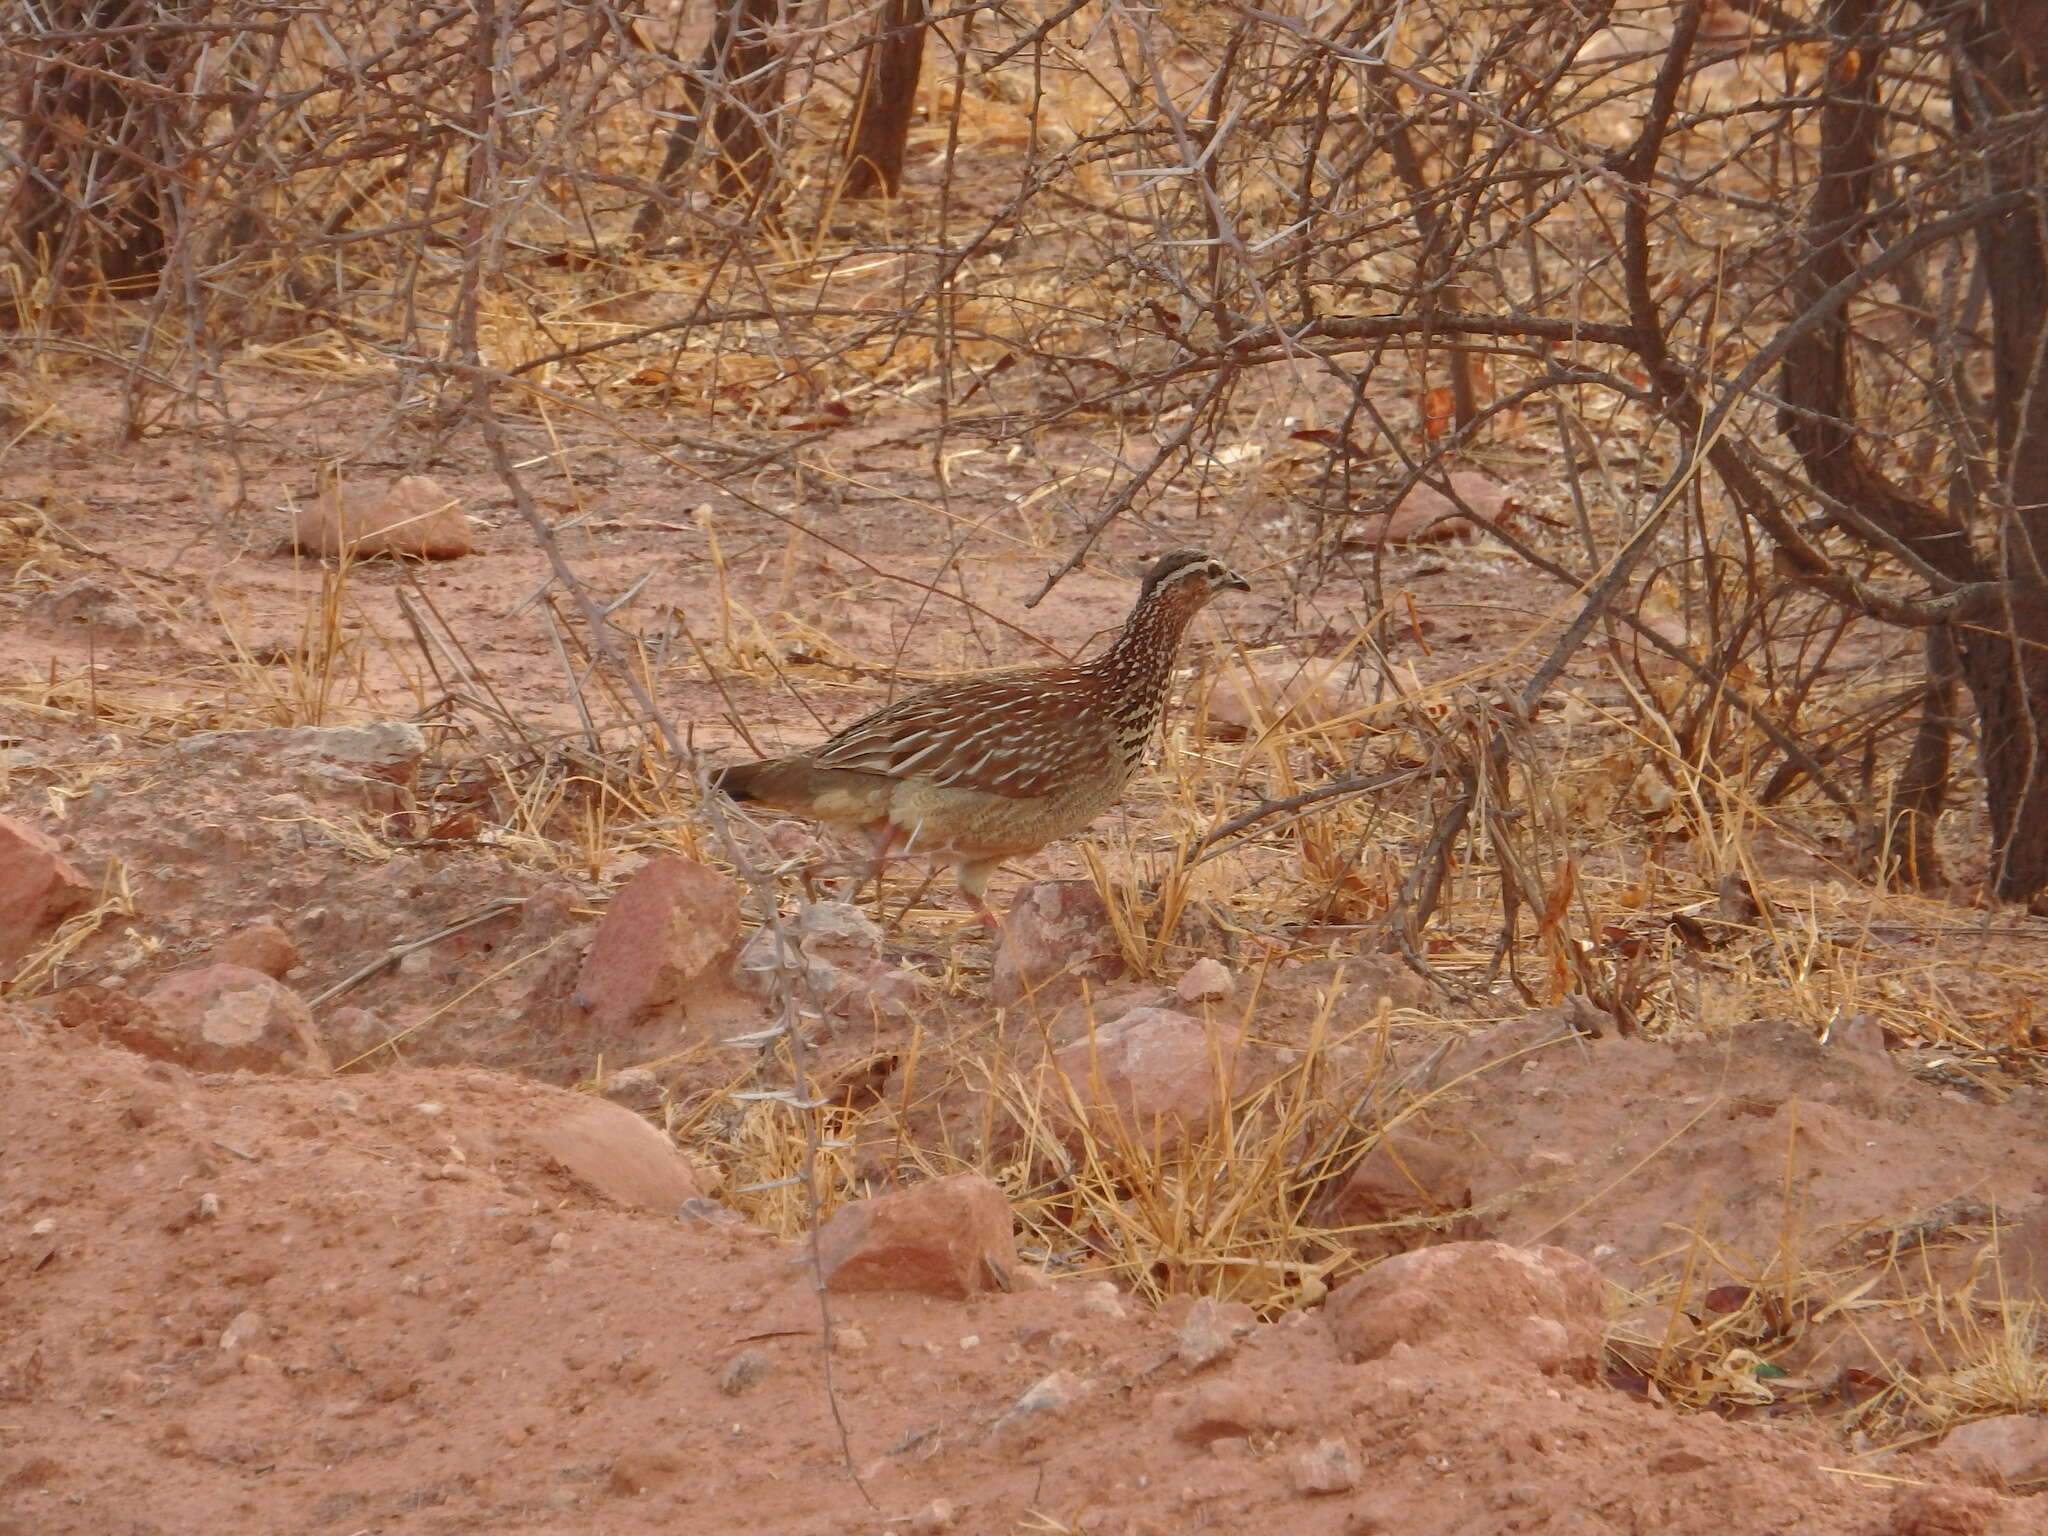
(391, 1140)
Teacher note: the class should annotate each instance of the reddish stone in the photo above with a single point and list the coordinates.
(413, 517)
(2008, 1451)
(663, 931)
(647, 1468)
(1427, 516)
(225, 1018)
(947, 1237)
(260, 946)
(38, 890)
(1211, 1330)
(1056, 935)
(1540, 1307)
(1280, 691)
(615, 1152)
(1208, 980)
(1401, 1176)
(1154, 1076)
(1225, 1408)
(2023, 1256)
(1327, 1467)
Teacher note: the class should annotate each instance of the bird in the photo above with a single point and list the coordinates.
(988, 768)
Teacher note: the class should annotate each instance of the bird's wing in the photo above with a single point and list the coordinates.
(1019, 735)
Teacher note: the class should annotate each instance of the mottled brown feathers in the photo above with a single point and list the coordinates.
(990, 767)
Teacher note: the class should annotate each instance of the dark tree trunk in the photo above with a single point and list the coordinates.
(739, 70)
(2002, 652)
(881, 109)
(2005, 659)
(96, 203)
(1920, 793)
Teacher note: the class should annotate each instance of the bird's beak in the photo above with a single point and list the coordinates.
(1235, 583)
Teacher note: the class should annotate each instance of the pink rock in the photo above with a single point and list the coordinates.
(413, 517)
(1427, 516)
(2023, 1256)
(1541, 1306)
(225, 1018)
(1207, 980)
(615, 1152)
(1948, 1509)
(646, 1468)
(1225, 1407)
(1056, 935)
(259, 946)
(1279, 692)
(1402, 1175)
(947, 1237)
(38, 890)
(833, 951)
(662, 934)
(1153, 1076)
(1211, 1330)
(374, 763)
(1328, 1466)
(2011, 1448)
(1032, 1417)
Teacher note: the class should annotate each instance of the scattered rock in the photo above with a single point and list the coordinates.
(1540, 1307)
(247, 1328)
(746, 1369)
(1946, 1510)
(833, 951)
(946, 1237)
(1401, 1176)
(259, 946)
(1056, 936)
(1427, 516)
(1280, 692)
(1101, 1298)
(373, 763)
(89, 604)
(1328, 1466)
(1211, 1330)
(701, 1209)
(660, 940)
(645, 1469)
(614, 1151)
(1154, 1075)
(634, 1088)
(227, 1018)
(933, 1520)
(1206, 981)
(1026, 1420)
(356, 1033)
(414, 516)
(2023, 1256)
(38, 890)
(1225, 1408)
(2009, 1450)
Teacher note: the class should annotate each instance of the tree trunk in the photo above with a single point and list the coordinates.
(1908, 853)
(97, 201)
(739, 70)
(2003, 653)
(882, 107)
(2005, 660)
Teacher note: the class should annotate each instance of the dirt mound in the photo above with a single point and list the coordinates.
(378, 1303)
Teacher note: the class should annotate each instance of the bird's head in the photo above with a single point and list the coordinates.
(1191, 576)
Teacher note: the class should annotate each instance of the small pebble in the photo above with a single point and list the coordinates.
(744, 1370)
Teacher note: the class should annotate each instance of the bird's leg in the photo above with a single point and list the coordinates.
(974, 877)
(882, 841)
